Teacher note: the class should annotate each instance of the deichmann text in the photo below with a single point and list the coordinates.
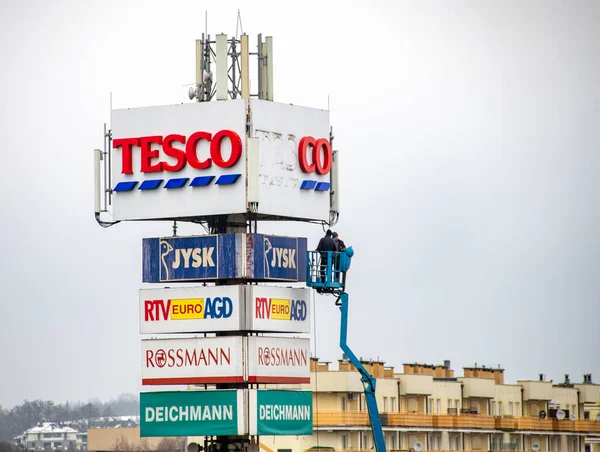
(284, 413)
(189, 413)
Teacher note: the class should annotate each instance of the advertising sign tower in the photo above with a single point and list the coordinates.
(227, 160)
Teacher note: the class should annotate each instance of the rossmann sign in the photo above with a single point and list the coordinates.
(192, 360)
(191, 309)
(278, 359)
(224, 308)
(227, 359)
(217, 158)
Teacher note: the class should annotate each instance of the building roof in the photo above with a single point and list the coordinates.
(50, 427)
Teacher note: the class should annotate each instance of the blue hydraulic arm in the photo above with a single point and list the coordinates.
(326, 272)
(367, 379)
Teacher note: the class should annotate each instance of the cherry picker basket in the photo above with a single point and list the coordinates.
(327, 270)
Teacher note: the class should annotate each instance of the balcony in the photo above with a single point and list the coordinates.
(449, 421)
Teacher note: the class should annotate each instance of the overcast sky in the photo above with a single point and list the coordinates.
(469, 135)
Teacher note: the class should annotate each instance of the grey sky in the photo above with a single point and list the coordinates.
(469, 133)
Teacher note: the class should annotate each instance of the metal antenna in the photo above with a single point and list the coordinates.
(239, 22)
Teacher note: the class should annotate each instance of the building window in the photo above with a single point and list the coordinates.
(385, 408)
(393, 441)
(430, 406)
(449, 404)
(492, 408)
(573, 410)
(343, 403)
(344, 441)
(517, 409)
(510, 408)
(499, 408)
(438, 407)
(393, 403)
(586, 415)
(457, 406)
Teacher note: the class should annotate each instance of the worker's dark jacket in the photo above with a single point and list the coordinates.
(326, 244)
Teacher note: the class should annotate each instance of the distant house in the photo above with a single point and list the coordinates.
(49, 436)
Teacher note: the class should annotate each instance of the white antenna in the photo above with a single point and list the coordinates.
(239, 23)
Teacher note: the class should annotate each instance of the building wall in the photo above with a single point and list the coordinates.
(107, 439)
(566, 398)
(507, 401)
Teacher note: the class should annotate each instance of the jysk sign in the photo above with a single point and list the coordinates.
(224, 256)
(192, 413)
(280, 413)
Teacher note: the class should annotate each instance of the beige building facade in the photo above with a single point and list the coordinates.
(428, 404)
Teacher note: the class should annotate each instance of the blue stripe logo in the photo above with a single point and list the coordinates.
(314, 185)
(179, 182)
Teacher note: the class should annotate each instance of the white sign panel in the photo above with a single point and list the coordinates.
(191, 309)
(179, 160)
(192, 361)
(278, 309)
(278, 360)
(292, 183)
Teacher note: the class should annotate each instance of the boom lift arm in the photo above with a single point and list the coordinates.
(327, 273)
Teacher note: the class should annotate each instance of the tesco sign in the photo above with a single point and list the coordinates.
(320, 150)
(183, 150)
(179, 147)
(207, 159)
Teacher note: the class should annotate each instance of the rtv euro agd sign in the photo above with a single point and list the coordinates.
(224, 308)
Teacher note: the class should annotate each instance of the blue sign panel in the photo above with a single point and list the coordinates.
(214, 257)
(279, 258)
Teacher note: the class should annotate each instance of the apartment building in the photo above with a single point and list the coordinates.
(430, 405)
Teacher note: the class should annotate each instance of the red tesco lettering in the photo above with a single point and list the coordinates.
(318, 147)
(182, 150)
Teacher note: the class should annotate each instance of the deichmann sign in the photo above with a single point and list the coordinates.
(256, 257)
(192, 413)
(195, 160)
(278, 360)
(192, 309)
(224, 308)
(229, 359)
(280, 413)
(194, 360)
